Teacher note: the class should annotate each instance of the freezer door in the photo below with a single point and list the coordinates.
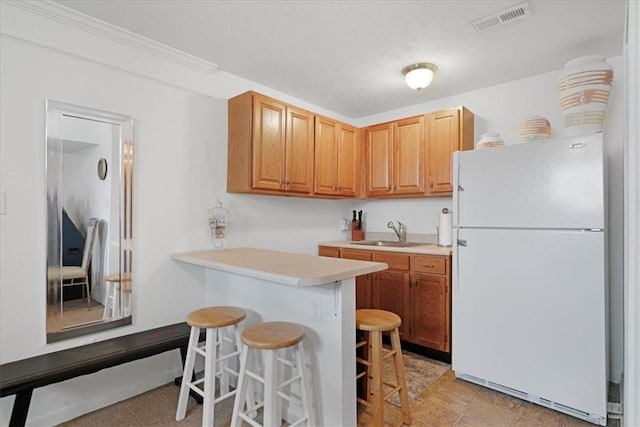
(529, 313)
(541, 184)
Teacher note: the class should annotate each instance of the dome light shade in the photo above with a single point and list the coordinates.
(419, 76)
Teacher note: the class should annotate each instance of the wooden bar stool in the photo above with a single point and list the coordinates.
(216, 321)
(272, 338)
(374, 323)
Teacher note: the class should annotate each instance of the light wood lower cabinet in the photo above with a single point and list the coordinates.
(430, 311)
(416, 287)
(363, 283)
(390, 291)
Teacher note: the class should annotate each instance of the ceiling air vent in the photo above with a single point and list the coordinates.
(514, 13)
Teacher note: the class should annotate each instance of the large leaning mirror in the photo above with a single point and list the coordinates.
(89, 167)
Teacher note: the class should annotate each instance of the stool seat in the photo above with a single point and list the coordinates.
(272, 335)
(215, 317)
(377, 320)
(124, 279)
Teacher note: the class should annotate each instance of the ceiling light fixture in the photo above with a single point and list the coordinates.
(418, 76)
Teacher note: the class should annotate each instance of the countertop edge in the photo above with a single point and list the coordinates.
(290, 280)
(426, 249)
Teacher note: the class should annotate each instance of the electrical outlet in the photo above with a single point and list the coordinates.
(344, 224)
(316, 310)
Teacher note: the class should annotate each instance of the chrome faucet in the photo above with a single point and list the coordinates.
(401, 231)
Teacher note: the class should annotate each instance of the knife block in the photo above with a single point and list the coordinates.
(357, 235)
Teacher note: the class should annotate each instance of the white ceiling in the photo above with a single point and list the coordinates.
(346, 56)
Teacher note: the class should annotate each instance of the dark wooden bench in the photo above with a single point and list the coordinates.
(23, 376)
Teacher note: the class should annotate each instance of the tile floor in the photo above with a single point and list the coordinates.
(454, 402)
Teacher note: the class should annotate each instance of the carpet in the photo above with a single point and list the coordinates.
(157, 407)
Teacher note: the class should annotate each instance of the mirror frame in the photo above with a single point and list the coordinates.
(55, 112)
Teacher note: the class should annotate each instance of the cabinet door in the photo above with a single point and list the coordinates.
(409, 156)
(390, 291)
(348, 161)
(299, 151)
(430, 302)
(379, 159)
(444, 140)
(326, 158)
(268, 143)
(363, 283)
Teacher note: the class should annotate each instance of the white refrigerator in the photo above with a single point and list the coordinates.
(529, 274)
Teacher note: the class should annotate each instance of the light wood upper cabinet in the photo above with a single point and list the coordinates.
(409, 157)
(276, 148)
(268, 143)
(379, 146)
(298, 159)
(336, 158)
(348, 161)
(270, 147)
(396, 158)
(450, 130)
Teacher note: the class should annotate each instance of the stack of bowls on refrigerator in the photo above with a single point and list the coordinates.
(489, 140)
(532, 129)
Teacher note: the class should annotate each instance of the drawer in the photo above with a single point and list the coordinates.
(328, 251)
(429, 264)
(355, 254)
(395, 261)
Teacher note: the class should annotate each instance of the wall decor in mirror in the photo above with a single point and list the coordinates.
(89, 217)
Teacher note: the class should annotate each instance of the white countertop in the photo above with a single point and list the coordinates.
(426, 249)
(281, 267)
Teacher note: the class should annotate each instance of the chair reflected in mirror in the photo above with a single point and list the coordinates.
(73, 275)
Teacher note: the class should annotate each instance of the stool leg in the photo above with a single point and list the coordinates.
(303, 384)
(241, 391)
(224, 349)
(108, 304)
(399, 368)
(366, 355)
(270, 388)
(187, 373)
(209, 378)
(376, 380)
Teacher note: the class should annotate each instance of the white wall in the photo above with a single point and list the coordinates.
(180, 169)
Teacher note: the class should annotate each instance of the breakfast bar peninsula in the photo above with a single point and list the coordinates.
(315, 292)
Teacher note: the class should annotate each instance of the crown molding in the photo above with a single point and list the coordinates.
(77, 20)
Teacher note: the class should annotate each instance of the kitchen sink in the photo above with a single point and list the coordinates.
(387, 243)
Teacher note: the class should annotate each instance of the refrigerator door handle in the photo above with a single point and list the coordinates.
(462, 243)
(460, 188)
